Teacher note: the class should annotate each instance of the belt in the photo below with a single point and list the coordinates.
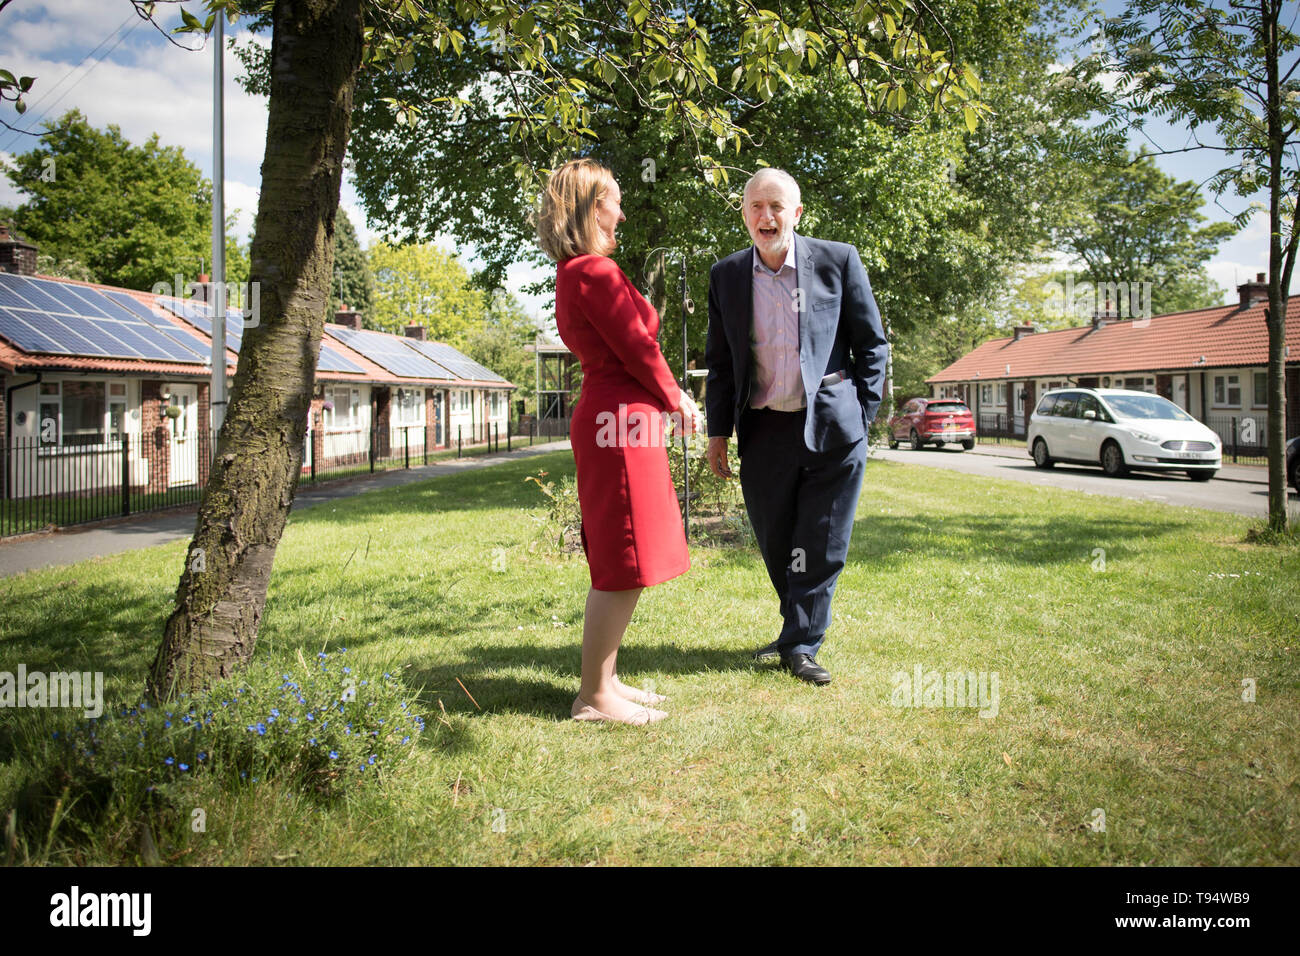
(834, 378)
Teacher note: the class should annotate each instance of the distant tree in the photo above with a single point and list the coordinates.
(1226, 69)
(1138, 224)
(354, 283)
(420, 284)
(135, 215)
(499, 342)
(63, 268)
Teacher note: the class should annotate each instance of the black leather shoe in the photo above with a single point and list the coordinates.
(805, 668)
(767, 653)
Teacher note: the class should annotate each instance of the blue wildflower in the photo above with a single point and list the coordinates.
(334, 755)
(169, 761)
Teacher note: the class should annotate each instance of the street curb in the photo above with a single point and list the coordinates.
(1016, 453)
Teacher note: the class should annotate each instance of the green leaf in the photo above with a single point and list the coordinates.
(972, 118)
(523, 27)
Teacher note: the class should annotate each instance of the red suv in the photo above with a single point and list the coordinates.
(937, 420)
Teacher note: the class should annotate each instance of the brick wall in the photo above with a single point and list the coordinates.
(207, 438)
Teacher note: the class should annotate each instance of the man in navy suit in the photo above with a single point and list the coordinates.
(796, 357)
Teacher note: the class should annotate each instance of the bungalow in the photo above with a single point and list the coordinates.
(102, 387)
(1212, 363)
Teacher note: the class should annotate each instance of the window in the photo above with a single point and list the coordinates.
(410, 406)
(1261, 389)
(1047, 404)
(1067, 405)
(1088, 403)
(496, 403)
(1227, 390)
(464, 401)
(347, 408)
(1002, 393)
(73, 414)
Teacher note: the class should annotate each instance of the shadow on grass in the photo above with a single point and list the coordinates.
(886, 542)
(482, 672)
(501, 486)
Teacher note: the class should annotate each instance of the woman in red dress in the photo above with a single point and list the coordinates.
(631, 525)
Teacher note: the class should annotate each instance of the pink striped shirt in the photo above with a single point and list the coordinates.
(777, 382)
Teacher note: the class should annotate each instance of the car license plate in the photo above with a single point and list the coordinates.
(1194, 455)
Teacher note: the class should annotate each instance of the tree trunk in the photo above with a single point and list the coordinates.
(315, 55)
(1279, 277)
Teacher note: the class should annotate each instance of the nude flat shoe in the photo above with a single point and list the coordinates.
(644, 696)
(581, 710)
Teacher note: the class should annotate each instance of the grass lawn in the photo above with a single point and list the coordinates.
(1120, 675)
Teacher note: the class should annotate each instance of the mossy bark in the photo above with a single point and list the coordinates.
(315, 54)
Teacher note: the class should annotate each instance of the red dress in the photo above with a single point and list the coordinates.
(631, 523)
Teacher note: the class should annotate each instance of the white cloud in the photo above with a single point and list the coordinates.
(58, 26)
(1230, 273)
(9, 194)
(241, 201)
(156, 89)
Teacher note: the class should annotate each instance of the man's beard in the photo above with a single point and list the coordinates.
(776, 244)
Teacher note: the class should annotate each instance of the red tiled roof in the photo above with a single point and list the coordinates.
(1226, 336)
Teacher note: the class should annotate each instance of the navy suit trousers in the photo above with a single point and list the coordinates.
(801, 504)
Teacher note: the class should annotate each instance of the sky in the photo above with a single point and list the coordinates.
(99, 57)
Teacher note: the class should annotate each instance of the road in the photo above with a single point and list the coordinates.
(1244, 493)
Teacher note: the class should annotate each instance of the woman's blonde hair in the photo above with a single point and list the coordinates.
(566, 223)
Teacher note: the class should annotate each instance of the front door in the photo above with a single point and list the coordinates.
(1027, 408)
(185, 436)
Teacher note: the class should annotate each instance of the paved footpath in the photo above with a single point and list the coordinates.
(29, 552)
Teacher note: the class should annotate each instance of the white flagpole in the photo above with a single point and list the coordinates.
(218, 298)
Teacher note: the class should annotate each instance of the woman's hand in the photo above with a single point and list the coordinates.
(687, 419)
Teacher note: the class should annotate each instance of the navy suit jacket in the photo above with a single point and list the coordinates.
(839, 330)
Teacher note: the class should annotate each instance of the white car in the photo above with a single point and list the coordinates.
(1122, 431)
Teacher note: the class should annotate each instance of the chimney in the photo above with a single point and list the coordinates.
(1100, 317)
(16, 256)
(201, 289)
(1252, 292)
(1020, 331)
(349, 318)
(418, 332)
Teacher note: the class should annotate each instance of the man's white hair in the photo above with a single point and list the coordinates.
(771, 172)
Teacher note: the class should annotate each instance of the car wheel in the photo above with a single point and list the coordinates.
(1112, 460)
(915, 439)
(968, 444)
(1200, 474)
(1041, 458)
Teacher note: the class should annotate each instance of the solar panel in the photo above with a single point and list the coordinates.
(78, 334)
(199, 315)
(388, 351)
(187, 341)
(461, 365)
(23, 335)
(44, 315)
(37, 298)
(332, 361)
(10, 299)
